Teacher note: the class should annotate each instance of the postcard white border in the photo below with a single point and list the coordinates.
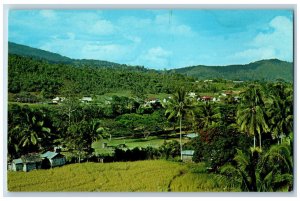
(14, 4)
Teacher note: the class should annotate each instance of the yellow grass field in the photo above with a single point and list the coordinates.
(140, 176)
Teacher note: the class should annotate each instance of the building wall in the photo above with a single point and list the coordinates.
(29, 166)
(58, 161)
(17, 167)
(187, 158)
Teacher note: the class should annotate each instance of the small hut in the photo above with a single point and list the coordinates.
(52, 159)
(27, 163)
(187, 155)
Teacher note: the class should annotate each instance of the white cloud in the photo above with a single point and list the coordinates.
(134, 22)
(155, 57)
(101, 27)
(275, 44)
(256, 54)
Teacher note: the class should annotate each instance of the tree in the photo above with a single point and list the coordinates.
(280, 110)
(262, 172)
(82, 135)
(251, 115)
(177, 107)
(32, 130)
(208, 115)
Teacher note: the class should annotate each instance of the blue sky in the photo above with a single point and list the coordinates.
(158, 38)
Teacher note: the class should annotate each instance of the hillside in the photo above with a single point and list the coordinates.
(260, 70)
(268, 70)
(27, 74)
(23, 50)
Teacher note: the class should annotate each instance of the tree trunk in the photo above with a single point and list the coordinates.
(180, 138)
(254, 141)
(259, 141)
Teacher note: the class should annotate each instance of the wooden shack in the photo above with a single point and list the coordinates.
(187, 155)
(27, 163)
(52, 159)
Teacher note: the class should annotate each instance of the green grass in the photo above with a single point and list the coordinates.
(151, 141)
(140, 176)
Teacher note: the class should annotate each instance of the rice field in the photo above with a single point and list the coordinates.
(140, 176)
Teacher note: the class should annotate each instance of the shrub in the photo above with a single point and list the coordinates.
(170, 149)
(221, 146)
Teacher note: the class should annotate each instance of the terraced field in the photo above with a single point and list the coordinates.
(140, 176)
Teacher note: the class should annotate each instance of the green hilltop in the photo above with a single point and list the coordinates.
(266, 70)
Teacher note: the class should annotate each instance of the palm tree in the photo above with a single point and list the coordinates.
(177, 107)
(271, 171)
(208, 115)
(251, 115)
(280, 110)
(32, 129)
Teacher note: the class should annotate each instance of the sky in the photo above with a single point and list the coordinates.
(158, 39)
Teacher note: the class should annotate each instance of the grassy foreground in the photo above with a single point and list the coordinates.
(140, 176)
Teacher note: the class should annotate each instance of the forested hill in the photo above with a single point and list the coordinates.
(26, 74)
(268, 70)
(261, 70)
(23, 50)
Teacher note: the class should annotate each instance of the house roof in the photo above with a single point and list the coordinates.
(206, 97)
(86, 98)
(30, 158)
(17, 161)
(49, 154)
(192, 135)
(188, 152)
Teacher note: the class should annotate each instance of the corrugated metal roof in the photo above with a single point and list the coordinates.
(49, 154)
(192, 135)
(17, 161)
(188, 152)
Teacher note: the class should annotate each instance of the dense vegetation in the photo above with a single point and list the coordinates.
(30, 75)
(245, 136)
(269, 70)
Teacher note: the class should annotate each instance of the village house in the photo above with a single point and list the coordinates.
(187, 155)
(192, 94)
(38, 161)
(86, 99)
(237, 81)
(53, 159)
(206, 98)
(191, 135)
(57, 100)
(151, 101)
(27, 163)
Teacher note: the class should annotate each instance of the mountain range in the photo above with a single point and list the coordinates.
(268, 70)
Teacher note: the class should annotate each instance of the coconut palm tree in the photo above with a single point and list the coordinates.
(251, 115)
(280, 110)
(209, 115)
(177, 107)
(33, 129)
(262, 172)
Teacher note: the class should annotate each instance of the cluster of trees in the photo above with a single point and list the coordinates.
(264, 116)
(269, 70)
(168, 150)
(76, 125)
(50, 79)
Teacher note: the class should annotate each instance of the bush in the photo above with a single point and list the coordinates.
(221, 146)
(170, 149)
